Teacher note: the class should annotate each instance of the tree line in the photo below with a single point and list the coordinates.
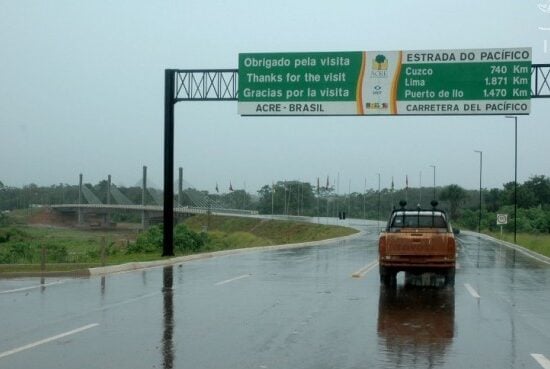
(304, 198)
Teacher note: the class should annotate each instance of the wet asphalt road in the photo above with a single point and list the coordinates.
(298, 308)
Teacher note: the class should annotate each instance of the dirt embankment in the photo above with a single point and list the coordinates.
(49, 217)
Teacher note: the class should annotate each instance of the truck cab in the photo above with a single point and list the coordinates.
(417, 241)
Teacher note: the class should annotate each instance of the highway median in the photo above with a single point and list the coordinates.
(28, 249)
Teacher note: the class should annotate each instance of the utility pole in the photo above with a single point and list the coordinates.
(244, 195)
(300, 199)
(143, 198)
(180, 186)
(349, 198)
(378, 220)
(109, 189)
(108, 217)
(337, 194)
(80, 199)
(284, 207)
(480, 172)
(365, 199)
(515, 177)
(420, 197)
(433, 166)
(318, 198)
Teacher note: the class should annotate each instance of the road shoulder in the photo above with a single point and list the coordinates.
(523, 250)
(182, 259)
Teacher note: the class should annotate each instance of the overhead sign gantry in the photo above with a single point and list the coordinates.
(225, 85)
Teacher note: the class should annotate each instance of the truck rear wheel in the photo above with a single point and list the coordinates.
(387, 276)
(450, 277)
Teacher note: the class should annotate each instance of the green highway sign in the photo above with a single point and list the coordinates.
(427, 82)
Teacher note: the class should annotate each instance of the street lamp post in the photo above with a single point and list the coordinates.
(515, 176)
(433, 166)
(365, 200)
(378, 220)
(420, 196)
(480, 171)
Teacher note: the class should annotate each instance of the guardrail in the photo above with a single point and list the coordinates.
(154, 208)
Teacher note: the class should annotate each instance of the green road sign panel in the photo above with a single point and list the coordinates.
(426, 82)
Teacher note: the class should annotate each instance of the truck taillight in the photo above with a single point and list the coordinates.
(451, 245)
(382, 245)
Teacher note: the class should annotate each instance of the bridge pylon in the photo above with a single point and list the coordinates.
(80, 212)
(144, 214)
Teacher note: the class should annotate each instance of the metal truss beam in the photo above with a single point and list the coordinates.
(222, 84)
(206, 85)
(540, 81)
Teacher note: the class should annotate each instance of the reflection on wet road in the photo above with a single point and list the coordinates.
(168, 314)
(297, 308)
(416, 322)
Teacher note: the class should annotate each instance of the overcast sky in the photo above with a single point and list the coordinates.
(81, 91)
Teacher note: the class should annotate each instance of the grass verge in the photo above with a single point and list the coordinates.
(73, 248)
(539, 243)
(234, 232)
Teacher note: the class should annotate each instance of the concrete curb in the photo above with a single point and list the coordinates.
(523, 250)
(77, 273)
(182, 259)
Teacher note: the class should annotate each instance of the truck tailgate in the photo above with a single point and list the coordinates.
(418, 243)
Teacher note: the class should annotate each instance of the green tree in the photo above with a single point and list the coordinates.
(187, 240)
(526, 197)
(456, 196)
(288, 197)
(238, 199)
(539, 186)
(148, 241)
(493, 199)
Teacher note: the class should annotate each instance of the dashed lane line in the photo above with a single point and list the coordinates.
(364, 270)
(542, 360)
(46, 340)
(233, 279)
(472, 291)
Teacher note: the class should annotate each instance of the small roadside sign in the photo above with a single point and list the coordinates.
(502, 219)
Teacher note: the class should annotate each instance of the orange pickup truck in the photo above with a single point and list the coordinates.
(417, 241)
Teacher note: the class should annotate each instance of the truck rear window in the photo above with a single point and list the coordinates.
(418, 221)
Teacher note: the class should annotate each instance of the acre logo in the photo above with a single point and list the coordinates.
(380, 66)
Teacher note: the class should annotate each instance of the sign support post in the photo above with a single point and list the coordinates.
(168, 209)
(501, 220)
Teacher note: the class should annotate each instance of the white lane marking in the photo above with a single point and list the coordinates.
(46, 340)
(472, 291)
(233, 279)
(124, 302)
(542, 360)
(364, 270)
(31, 287)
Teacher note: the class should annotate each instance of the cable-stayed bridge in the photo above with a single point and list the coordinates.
(188, 202)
